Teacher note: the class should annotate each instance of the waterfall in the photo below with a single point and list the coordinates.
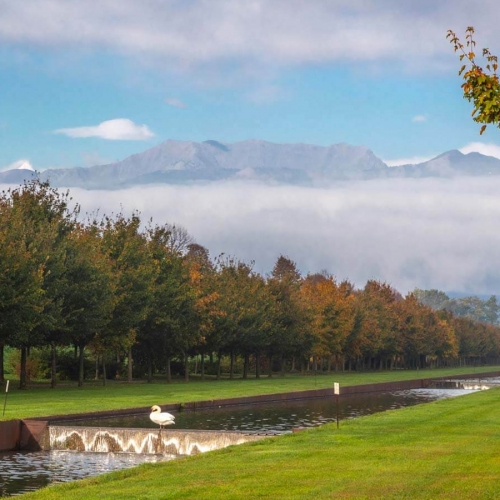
(145, 441)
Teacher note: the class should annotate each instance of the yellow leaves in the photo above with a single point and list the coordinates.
(481, 87)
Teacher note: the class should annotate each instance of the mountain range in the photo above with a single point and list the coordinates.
(180, 162)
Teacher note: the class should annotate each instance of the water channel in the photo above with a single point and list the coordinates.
(21, 472)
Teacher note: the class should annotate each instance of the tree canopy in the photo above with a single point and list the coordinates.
(118, 290)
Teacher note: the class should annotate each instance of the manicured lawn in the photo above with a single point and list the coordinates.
(443, 450)
(43, 401)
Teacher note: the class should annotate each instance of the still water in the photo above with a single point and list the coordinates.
(21, 472)
(277, 418)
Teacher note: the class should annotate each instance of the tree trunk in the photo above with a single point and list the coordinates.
(81, 372)
(150, 366)
(245, 365)
(186, 367)
(2, 375)
(231, 366)
(202, 367)
(315, 364)
(168, 370)
(257, 364)
(96, 373)
(53, 366)
(292, 369)
(129, 365)
(104, 375)
(22, 376)
(219, 358)
(270, 367)
(118, 366)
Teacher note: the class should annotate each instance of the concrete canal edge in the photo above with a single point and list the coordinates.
(32, 434)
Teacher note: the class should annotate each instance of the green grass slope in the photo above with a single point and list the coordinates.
(43, 401)
(444, 450)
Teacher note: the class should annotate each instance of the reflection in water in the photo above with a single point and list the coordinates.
(21, 472)
(27, 471)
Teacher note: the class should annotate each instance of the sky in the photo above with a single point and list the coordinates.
(85, 83)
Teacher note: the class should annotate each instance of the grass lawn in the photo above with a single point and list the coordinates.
(443, 450)
(43, 401)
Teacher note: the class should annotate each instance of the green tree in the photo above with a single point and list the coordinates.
(40, 223)
(22, 298)
(170, 325)
(89, 294)
(291, 336)
(131, 262)
(481, 84)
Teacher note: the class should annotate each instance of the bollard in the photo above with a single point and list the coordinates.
(6, 393)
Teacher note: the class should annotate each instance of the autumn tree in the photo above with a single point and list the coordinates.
(481, 84)
(377, 329)
(331, 316)
(204, 281)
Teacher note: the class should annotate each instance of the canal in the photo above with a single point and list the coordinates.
(22, 471)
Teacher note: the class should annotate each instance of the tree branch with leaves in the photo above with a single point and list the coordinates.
(481, 86)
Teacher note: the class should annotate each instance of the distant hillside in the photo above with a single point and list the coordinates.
(453, 164)
(177, 162)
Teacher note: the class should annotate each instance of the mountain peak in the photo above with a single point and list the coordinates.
(179, 162)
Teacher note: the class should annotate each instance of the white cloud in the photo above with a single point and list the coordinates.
(119, 129)
(176, 103)
(419, 119)
(271, 32)
(423, 233)
(410, 160)
(22, 164)
(488, 149)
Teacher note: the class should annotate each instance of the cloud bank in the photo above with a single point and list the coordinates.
(410, 160)
(423, 233)
(119, 129)
(271, 32)
(488, 149)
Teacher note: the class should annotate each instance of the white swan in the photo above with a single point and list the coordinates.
(161, 418)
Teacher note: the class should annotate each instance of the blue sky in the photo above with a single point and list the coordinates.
(85, 83)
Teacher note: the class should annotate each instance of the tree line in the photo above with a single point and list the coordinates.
(145, 294)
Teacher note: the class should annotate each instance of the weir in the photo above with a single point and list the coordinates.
(144, 441)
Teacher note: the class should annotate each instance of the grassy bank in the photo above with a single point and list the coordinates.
(442, 450)
(43, 401)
